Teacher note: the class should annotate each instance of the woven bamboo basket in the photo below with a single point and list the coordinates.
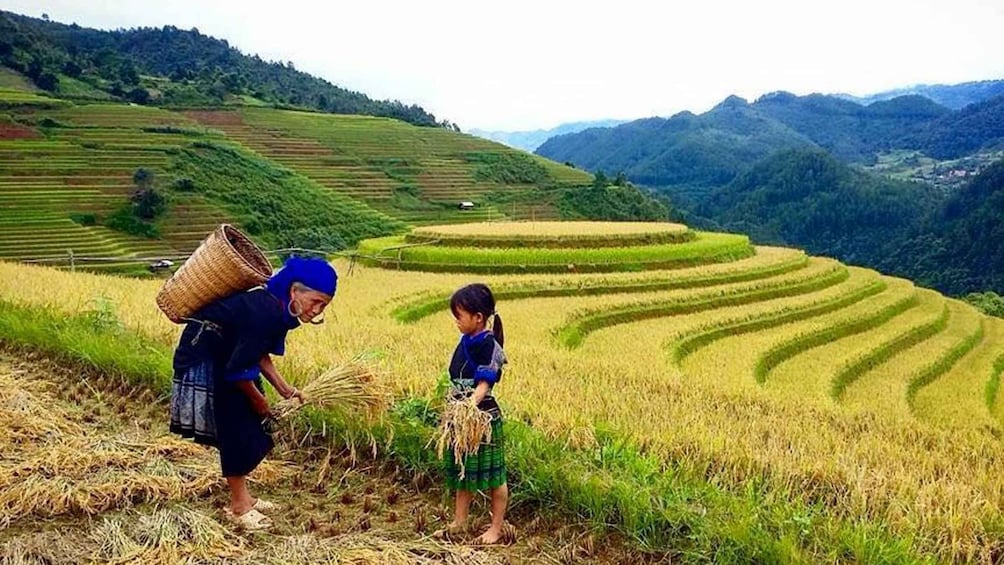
(224, 263)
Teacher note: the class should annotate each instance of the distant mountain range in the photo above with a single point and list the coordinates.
(697, 152)
(953, 96)
(532, 139)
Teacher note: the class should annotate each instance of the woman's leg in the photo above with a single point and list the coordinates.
(240, 497)
(500, 498)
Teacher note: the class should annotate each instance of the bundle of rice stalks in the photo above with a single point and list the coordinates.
(354, 386)
(462, 429)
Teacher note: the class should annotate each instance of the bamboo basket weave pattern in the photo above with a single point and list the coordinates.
(224, 263)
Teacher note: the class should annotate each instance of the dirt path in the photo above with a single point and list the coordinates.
(89, 474)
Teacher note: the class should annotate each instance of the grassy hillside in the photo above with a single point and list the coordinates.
(419, 175)
(290, 178)
(170, 66)
(773, 408)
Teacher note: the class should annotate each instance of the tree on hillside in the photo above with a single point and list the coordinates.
(142, 178)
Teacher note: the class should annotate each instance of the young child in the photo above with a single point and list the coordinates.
(474, 369)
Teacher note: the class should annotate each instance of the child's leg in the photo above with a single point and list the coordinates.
(462, 507)
(240, 496)
(500, 498)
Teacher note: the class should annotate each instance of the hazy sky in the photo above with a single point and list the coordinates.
(524, 64)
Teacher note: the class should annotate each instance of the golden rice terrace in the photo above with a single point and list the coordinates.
(685, 377)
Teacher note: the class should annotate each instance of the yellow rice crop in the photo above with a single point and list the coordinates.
(940, 481)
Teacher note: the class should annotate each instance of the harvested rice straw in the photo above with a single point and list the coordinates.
(463, 427)
(166, 536)
(353, 386)
(67, 480)
(366, 548)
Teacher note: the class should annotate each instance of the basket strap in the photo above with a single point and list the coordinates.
(203, 326)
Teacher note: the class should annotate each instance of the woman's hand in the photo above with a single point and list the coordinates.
(281, 386)
(296, 393)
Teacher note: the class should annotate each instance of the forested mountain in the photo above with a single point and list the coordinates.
(850, 131)
(961, 248)
(954, 96)
(700, 152)
(975, 127)
(810, 199)
(686, 149)
(173, 67)
(532, 139)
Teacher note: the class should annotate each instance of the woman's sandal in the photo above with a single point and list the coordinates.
(263, 505)
(251, 521)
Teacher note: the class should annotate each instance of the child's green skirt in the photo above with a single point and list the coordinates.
(484, 470)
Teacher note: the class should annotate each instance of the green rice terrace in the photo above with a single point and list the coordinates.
(67, 171)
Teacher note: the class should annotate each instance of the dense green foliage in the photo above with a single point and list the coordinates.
(809, 199)
(706, 150)
(990, 303)
(280, 207)
(127, 221)
(975, 127)
(613, 202)
(848, 130)
(961, 249)
(507, 168)
(190, 69)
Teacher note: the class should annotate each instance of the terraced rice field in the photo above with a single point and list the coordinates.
(856, 396)
(444, 256)
(68, 161)
(369, 158)
(59, 159)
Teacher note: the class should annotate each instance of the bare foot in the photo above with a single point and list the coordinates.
(452, 530)
(491, 536)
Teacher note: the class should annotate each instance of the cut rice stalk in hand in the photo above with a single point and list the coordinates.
(463, 427)
(353, 386)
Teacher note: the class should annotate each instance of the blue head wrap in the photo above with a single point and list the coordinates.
(315, 273)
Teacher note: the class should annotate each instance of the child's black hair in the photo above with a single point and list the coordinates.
(477, 298)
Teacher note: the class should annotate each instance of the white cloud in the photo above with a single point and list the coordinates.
(525, 64)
